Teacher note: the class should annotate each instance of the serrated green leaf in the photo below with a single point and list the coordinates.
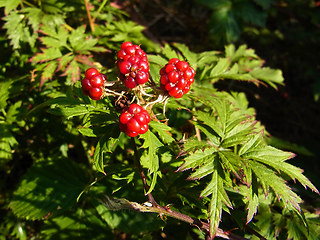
(203, 170)
(86, 45)
(268, 154)
(241, 52)
(269, 179)
(238, 76)
(15, 28)
(86, 131)
(253, 200)
(52, 42)
(207, 58)
(169, 52)
(215, 206)
(103, 151)
(13, 112)
(191, 145)
(275, 158)
(4, 92)
(98, 156)
(231, 161)
(209, 120)
(48, 71)
(268, 75)
(47, 54)
(73, 111)
(34, 16)
(61, 33)
(152, 143)
(157, 59)
(253, 142)
(163, 130)
(296, 231)
(190, 57)
(7, 142)
(64, 61)
(9, 5)
(221, 67)
(210, 134)
(73, 72)
(47, 188)
(198, 158)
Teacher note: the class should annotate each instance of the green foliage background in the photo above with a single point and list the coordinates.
(56, 144)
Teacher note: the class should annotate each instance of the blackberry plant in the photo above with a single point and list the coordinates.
(135, 141)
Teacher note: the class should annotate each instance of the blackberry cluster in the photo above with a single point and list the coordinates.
(176, 77)
(133, 65)
(134, 120)
(92, 84)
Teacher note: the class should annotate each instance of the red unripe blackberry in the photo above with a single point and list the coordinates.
(141, 118)
(142, 77)
(133, 125)
(130, 50)
(121, 53)
(126, 44)
(144, 128)
(97, 80)
(173, 76)
(164, 79)
(170, 67)
(125, 117)
(169, 86)
(173, 60)
(92, 84)
(90, 72)
(147, 116)
(133, 64)
(131, 133)
(188, 73)
(134, 120)
(182, 65)
(176, 77)
(130, 82)
(144, 65)
(135, 108)
(86, 85)
(124, 67)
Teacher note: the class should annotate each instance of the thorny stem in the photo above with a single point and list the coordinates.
(89, 16)
(156, 208)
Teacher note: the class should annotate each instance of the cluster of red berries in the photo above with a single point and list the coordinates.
(92, 84)
(133, 65)
(134, 120)
(176, 77)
